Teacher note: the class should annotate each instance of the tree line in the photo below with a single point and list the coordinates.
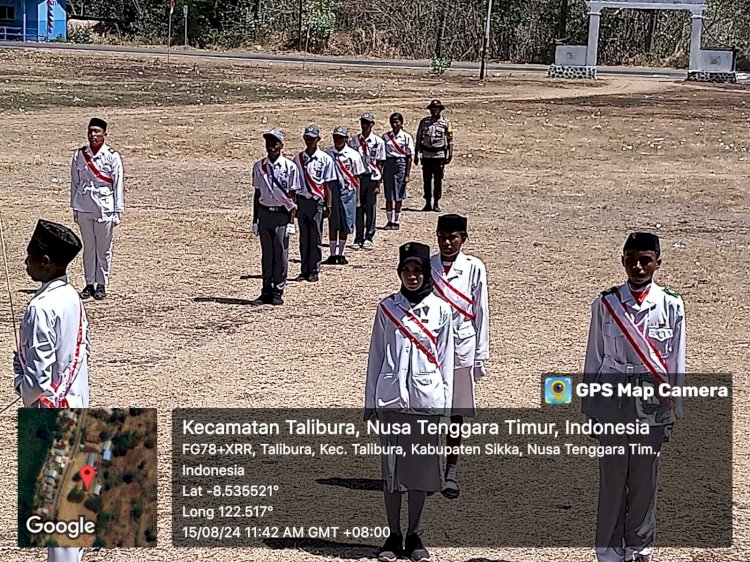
(521, 30)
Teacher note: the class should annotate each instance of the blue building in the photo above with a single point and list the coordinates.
(33, 20)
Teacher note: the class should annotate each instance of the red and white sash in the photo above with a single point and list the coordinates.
(458, 301)
(646, 351)
(59, 395)
(392, 316)
(350, 178)
(398, 147)
(317, 189)
(96, 171)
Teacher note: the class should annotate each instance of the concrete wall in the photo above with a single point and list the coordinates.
(715, 61)
(570, 55)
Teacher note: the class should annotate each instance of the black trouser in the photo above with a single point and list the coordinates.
(274, 247)
(367, 210)
(310, 215)
(433, 167)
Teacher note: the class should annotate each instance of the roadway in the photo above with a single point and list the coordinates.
(492, 68)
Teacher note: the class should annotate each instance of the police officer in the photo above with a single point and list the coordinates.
(318, 177)
(434, 141)
(96, 196)
(372, 149)
(636, 337)
(276, 181)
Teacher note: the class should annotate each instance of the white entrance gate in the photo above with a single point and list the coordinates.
(580, 61)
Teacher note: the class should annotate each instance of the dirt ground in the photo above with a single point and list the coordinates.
(552, 176)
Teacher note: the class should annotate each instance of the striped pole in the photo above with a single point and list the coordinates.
(50, 18)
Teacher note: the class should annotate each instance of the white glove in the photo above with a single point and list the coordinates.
(479, 372)
(117, 219)
(17, 368)
(256, 231)
(290, 229)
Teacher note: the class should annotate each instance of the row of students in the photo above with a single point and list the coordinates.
(340, 184)
(427, 350)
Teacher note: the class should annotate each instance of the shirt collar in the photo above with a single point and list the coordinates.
(102, 150)
(52, 284)
(627, 297)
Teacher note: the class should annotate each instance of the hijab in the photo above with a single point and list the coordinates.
(420, 253)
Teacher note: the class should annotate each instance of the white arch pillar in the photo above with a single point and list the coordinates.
(592, 51)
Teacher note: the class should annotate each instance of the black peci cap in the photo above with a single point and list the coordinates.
(642, 242)
(57, 241)
(451, 223)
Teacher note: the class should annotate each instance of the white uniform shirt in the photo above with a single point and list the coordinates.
(401, 373)
(609, 355)
(464, 288)
(372, 151)
(349, 166)
(398, 146)
(276, 181)
(96, 182)
(54, 346)
(315, 172)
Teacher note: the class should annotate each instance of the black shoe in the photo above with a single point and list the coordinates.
(342, 260)
(436, 207)
(301, 277)
(100, 293)
(88, 292)
(313, 278)
(396, 226)
(415, 550)
(392, 549)
(263, 299)
(277, 300)
(389, 226)
(331, 260)
(426, 208)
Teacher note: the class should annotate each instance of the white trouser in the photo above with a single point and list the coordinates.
(97, 238)
(64, 554)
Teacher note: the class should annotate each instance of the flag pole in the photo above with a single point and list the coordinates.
(169, 38)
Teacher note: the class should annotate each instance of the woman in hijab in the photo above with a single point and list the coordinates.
(410, 378)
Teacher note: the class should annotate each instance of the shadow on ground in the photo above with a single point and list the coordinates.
(224, 300)
(368, 484)
(321, 547)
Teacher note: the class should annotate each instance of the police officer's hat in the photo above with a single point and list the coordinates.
(56, 241)
(367, 116)
(642, 242)
(275, 134)
(437, 104)
(312, 131)
(413, 251)
(340, 131)
(451, 223)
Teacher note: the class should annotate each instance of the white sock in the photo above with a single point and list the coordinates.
(389, 214)
(397, 220)
(332, 245)
(342, 246)
(450, 474)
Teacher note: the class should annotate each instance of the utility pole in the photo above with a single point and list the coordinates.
(185, 15)
(441, 31)
(299, 25)
(485, 43)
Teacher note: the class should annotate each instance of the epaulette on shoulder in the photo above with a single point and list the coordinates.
(608, 291)
(672, 292)
(111, 150)
(82, 148)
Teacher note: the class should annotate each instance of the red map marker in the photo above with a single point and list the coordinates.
(87, 475)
